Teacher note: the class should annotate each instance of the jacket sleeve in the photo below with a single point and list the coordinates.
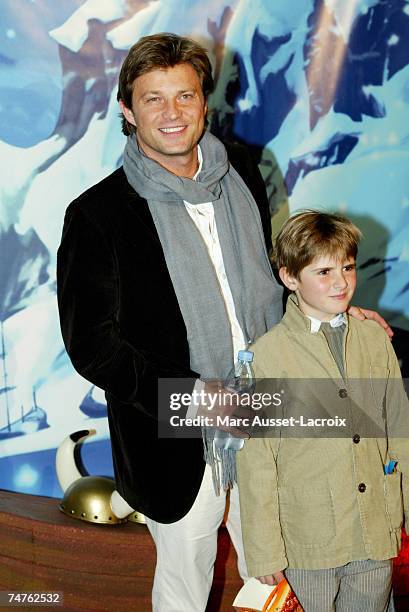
(88, 302)
(264, 547)
(397, 411)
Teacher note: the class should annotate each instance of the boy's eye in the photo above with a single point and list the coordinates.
(349, 267)
(323, 272)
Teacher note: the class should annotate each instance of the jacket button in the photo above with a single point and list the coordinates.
(342, 393)
(356, 438)
(362, 487)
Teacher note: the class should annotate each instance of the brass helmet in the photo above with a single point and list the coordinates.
(87, 498)
(137, 517)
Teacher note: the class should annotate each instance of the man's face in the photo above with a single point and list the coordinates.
(168, 110)
(325, 287)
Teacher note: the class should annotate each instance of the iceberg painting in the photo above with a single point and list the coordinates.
(319, 91)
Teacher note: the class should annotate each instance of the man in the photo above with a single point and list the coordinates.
(163, 272)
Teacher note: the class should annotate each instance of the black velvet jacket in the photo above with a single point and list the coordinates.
(123, 329)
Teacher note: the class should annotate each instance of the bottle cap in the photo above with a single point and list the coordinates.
(245, 356)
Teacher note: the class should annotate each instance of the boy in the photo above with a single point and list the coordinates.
(324, 511)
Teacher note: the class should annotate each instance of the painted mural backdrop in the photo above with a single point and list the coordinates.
(318, 88)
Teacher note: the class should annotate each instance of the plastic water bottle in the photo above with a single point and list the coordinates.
(239, 380)
(241, 377)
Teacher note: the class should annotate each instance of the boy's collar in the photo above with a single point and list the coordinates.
(339, 319)
(309, 324)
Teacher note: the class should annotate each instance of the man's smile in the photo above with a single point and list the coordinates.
(172, 130)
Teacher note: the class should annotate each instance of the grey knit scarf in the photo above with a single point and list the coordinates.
(256, 295)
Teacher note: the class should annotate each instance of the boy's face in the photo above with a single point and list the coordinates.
(324, 287)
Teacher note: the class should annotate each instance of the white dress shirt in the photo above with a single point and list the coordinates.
(203, 217)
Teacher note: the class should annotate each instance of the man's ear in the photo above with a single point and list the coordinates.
(289, 281)
(127, 113)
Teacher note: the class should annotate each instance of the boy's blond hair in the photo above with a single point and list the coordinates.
(310, 234)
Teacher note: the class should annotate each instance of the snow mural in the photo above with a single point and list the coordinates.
(318, 88)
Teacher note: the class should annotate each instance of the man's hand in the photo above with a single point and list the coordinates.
(221, 402)
(271, 579)
(362, 313)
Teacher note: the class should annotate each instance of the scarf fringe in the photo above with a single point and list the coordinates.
(222, 461)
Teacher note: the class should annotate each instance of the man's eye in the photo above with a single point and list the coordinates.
(186, 96)
(153, 99)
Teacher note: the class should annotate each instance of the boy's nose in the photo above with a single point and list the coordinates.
(340, 281)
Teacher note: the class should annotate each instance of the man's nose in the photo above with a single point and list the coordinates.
(171, 110)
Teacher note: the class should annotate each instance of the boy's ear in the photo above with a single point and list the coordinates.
(289, 281)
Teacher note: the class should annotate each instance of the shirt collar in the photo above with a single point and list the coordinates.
(339, 319)
(200, 160)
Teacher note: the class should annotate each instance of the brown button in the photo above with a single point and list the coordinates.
(343, 393)
(362, 487)
(356, 438)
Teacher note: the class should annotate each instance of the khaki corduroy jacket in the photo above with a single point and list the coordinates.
(320, 503)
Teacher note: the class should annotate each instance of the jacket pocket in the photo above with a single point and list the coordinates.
(393, 499)
(307, 515)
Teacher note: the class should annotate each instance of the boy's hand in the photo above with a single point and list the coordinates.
(271, 579)
(362, 313)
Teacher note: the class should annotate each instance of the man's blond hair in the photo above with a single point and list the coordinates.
(159, 52)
